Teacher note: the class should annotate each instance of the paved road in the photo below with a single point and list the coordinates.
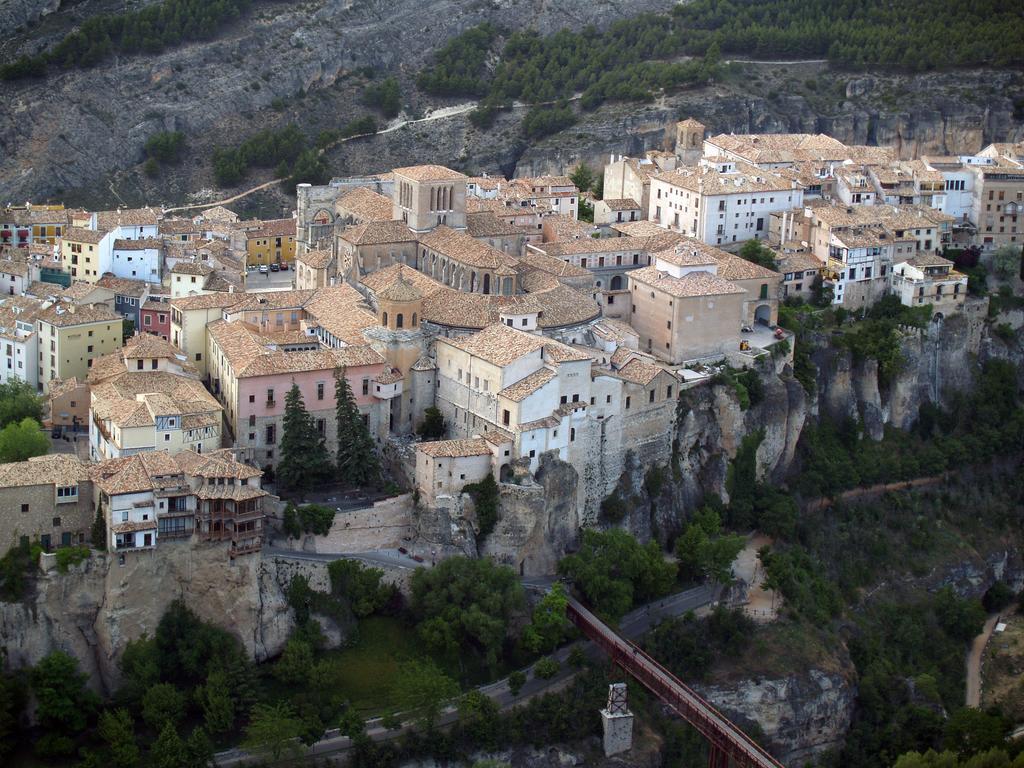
(973, 693)
(632, 626)
(391, 558)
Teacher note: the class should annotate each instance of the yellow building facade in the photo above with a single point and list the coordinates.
(71, 337)
(272, 243)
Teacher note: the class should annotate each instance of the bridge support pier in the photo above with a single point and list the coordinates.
(717, 758)
(617, 721)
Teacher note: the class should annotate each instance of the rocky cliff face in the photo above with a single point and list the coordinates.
(96, 608)
(79, 134)
(801, 715)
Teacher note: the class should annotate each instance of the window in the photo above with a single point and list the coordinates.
(252, 398)
(24, 507)
(505, 419)
(321, 427)
(628, 399)
(366, 386)
(271, 434)
(319, 390)
(650, 396)
(270, 397)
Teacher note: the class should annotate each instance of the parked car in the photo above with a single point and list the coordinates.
(275, 267)
(284, 266)
(264, 269)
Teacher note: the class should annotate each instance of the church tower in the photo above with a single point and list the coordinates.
(689, 141)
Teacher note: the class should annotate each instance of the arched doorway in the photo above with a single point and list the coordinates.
(763, 314)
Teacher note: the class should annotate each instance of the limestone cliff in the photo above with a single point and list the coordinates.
(96, 608)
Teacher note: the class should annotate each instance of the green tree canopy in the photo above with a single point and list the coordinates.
(19, 401)
(117, 729)
(423, 690)
(274, 730)
(304, 460)
(703, 552)
(549, 626)
(467, 604)
(23, 440)
(614, 571)
(357, 462)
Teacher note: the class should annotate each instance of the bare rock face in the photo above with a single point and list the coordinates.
(97, 607)
(802, 715)
(18, 13)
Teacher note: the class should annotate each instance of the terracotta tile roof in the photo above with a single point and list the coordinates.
(567, 228)
(542, 261)
(455, 449)
(923, 259)
(379, 280)
(146, 345)
(706, 180)
(640, 372)
(18, 268)
(127, 217)
(424, 363)
(557, 352)
(60, 387)
(122, 286)
(136, 398)
(688, 253)
(191, 268)
(42, 290)
(219, 463)
(79, 235)
(428, 173)
(273, 228)
(643, 228)
(143, 244)
(693, 284)
(133, 474)
(205, 301)
(734, 268)
(461, 247)
(62, 314)
(378, 233)
(488, 224)
(497, 436)
(388, 376)
(219, 213)
(59, 469)
(233, 492)
(621, 204)
(799, 262)
(401, 290)
(365, 204)
(780, 147)
(339, 310)
(178, 227)
(498, 344)
(315, 258)
(249, 354)
(527, 386)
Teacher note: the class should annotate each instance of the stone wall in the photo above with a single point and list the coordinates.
(385, 525)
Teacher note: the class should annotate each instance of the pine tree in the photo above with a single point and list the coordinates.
(304, 457)
(357, 461)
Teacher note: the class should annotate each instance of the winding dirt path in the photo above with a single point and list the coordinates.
(973, 693)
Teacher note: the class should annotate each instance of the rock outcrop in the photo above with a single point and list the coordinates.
(801, 715)
(97, 607)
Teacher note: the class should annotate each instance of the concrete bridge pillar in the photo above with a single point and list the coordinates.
(617, 721)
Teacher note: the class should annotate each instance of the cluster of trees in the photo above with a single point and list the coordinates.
(385, 96)
(286, 150)
(622, 63)
(858, 34)
(148, 30)
(757, 252)
(162, 148)
(21, 413)
(188, 673)
(980, 425)
(306, 462)
(485, 499)
(689, 647)
(614, 572)
(991, 758)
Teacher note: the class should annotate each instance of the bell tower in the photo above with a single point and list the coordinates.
(689, 141)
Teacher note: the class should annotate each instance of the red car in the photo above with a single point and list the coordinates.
(284, 266)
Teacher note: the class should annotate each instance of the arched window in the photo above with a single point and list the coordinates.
(399, 321)
(472, 282)
(433, 198)
(385, 318)
(487, 282)
(616, 283)
(414, 320)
